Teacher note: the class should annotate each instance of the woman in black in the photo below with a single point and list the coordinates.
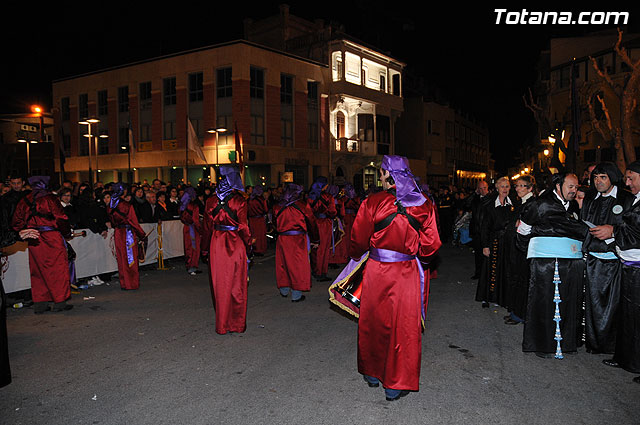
(498, 213)
(517, 264)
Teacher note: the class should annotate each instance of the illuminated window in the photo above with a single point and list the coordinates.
(337, 66)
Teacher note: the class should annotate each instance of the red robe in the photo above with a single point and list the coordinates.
(123, 219)
(228, 262)
(190, 217)
(257, 211)
(323, 206)
(390, 324)
(48, 259)
(293, 269)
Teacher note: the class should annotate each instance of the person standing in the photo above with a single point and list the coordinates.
(627, 245)
(324, 208)
(226, 242)
(7, 237)
(552, 235)
(492, 284)
(40, 219)
(296, 227)
(191, 231)
(603, 268)
(476, 202)
(127, 234)
(395, 227)
(257, 210)
(517, 265)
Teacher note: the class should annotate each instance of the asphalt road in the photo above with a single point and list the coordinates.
(152, 357)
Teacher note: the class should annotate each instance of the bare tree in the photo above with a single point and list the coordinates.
(625, 91)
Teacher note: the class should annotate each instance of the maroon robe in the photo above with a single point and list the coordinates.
(123, 218)
(48, 259)
(324, 209)
(293, 269)
(390, 328)
(191, 234)
(227, 251)
(257, 211)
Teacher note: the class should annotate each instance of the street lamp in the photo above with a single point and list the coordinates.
(28, 159)
(88, 122)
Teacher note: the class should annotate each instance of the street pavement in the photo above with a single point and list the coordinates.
(152, 357)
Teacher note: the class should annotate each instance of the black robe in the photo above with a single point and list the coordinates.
(548, 218)
(518, 271)
(7, 237)
(627, 236)
(492, 284)
(602, 283)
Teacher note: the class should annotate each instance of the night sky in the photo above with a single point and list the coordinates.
(481, 67)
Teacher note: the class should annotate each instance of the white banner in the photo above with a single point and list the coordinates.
(94, 254)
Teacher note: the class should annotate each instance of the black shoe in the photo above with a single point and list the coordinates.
(636, 379)
(507, 317)
(302, 298)
(371, 384)
(40, 307)
(63, 306)
(402, 394)
(611, 362)
(323, 278)
(544, 355)
(485, 304)
(510, 321)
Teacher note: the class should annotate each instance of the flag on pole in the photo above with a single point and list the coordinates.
(193, 143)
(238, 144)
(132, 149)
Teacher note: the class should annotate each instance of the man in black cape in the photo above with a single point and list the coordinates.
(627, 242)
(551, 233)
(602, 283)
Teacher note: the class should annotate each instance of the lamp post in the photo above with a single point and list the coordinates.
(28, 159)
(217, 131)
(88, 122)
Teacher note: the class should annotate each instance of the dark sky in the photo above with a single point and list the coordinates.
(483, 67)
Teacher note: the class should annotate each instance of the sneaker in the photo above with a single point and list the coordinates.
(97, 281)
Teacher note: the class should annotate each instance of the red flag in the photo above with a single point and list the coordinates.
(238, 144)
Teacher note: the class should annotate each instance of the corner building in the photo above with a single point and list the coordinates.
(305, 99)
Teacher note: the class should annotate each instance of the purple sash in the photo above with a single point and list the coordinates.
(388, 256)
(635, 264)
(225, 228)
(297, 232)
(192, 235)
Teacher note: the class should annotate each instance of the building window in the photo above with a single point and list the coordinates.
(383, 82)
(123, 139)
(103, 108)
(337, 66)
(365, 127)
(66, 144)
(257, 130)
(195, 87)
(287, 132)
(395, 84)
(145, 95)
(223, 82)
(169, 130)
(169, 94)
(286, 89)
(145, 132)
(313, 114)
(383, 132)
(256, 84)
(83, 106)
(64, 109)
(340, 125)
(123, 99)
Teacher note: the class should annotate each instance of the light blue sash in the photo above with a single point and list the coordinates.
(552, 247)
(604, 255)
